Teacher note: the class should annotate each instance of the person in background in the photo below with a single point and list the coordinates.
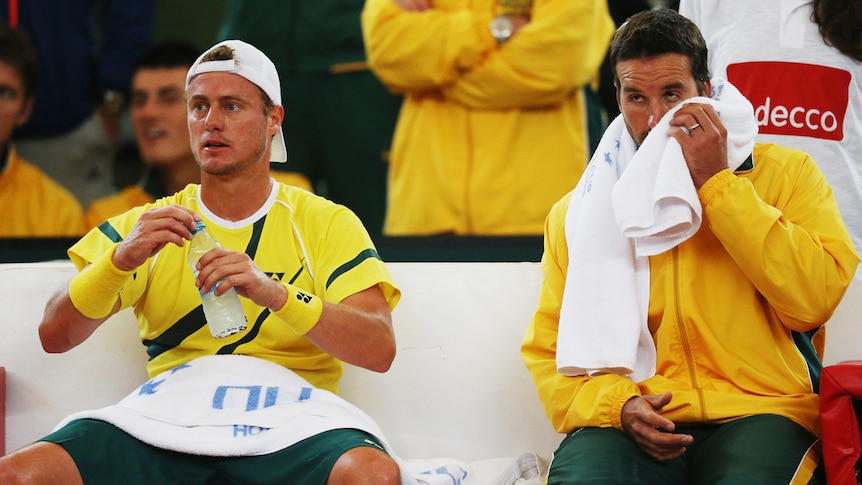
(800, 65)
(492, 131)
(341, 116)
(36, 205)
(160, 124)
(87, 51)
(314, 292)
(693, 358)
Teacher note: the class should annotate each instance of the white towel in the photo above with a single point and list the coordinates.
(629, 204)
(235, 405)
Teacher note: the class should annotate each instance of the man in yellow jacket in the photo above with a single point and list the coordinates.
(492, 131)
(35, 204)
(735, 312)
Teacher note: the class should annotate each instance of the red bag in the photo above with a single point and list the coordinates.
(840, 406)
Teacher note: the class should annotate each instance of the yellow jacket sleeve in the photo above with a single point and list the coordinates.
(775, 244)
(422, 51)
(558, 52)
(449, 51)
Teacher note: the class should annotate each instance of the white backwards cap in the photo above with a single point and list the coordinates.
(253, 65)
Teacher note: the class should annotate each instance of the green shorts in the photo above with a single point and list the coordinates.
(771, 448)
(108, 455)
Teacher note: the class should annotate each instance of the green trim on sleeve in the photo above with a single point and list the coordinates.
(368, 253)
(108, 230)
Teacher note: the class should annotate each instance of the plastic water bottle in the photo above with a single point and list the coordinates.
(223, 313)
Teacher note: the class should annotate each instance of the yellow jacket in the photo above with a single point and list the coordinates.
(489, 136)
(733, 310)
(35, 204)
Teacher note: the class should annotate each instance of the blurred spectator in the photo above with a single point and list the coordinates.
(87, 50)
(160, 123)
(493, 130)
(800, 67)
(341, 117)
(34, 204)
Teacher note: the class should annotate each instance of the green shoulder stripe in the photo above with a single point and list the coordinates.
(109, 231)
(368, 253)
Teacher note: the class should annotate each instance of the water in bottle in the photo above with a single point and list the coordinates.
(223, 313)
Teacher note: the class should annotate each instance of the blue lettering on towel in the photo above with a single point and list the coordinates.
(244, 430)
(253, 398)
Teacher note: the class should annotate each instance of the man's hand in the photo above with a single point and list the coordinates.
(154, 230)
(239, 271)
(703, 139)
(642, 421)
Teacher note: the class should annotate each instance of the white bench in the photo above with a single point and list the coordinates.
(457, 388)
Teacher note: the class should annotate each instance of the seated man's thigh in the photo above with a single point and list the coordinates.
(308, 462)
(762, 449)
(607, 456)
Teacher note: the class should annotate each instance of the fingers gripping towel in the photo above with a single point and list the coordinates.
(655, 201)
(631, 203)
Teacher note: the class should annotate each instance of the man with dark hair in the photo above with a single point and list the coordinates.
(36, 205)
(159, 121)
(87, 50)
(679, 332)
(258, 406)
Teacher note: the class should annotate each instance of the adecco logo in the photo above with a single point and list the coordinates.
(790, 98)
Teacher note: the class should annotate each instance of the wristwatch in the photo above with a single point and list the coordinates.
(113, 101)
(501, 28)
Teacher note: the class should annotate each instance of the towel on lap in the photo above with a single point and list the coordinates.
(235, 405)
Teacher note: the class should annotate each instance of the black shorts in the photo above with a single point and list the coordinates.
(105, 454)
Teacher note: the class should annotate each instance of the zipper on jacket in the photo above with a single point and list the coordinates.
(684, 335)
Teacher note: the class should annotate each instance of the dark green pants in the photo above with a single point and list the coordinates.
(763, 449)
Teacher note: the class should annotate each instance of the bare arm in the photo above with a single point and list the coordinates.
(358, 330)
(63, 325)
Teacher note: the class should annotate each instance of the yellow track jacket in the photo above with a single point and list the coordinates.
(489, 136)
(36, 205)
(733, 310)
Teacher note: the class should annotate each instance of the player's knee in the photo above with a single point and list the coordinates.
(365, 465)
(13, 470)
(39, 463)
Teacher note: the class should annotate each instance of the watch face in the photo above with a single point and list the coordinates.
(501, 28)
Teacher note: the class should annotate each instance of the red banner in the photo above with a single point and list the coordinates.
(790, 98)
